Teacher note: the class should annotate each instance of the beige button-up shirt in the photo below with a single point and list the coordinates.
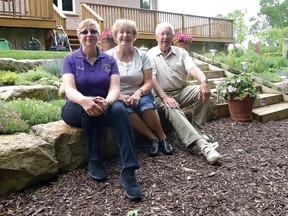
(171, 71)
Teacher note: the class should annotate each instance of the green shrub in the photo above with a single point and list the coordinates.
(7, 78)
(36, 76)
(36, 111)
(266, 55)
(11, 122)
(265, 68)
(53, 67)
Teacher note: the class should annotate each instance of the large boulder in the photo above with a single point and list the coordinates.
(27, 159)
(70, 147)
(24, 161)
(40, 92)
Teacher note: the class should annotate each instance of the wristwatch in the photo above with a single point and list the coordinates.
(142, 92)
(205, 80)
(108, 103)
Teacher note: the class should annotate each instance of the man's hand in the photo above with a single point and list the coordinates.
(170, 102)
(204, 91)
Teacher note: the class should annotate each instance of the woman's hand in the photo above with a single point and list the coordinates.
(134, 99)
(94, 106)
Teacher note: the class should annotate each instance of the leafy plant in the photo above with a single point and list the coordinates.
(36, 111)
(238, 87)
(7, 78)
(36, 76)
(11, 122)
(53, 67)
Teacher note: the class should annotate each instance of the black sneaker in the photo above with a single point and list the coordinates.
(154, 149)
(132, 188)
(97, 171)
(166, 147)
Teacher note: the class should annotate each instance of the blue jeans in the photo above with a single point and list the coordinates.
(146, 102)
(117, 117)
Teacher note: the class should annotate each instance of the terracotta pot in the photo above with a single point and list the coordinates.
(241, 110)
(183, 45)
(107, 44)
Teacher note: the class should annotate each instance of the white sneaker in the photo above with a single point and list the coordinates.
(209, 152)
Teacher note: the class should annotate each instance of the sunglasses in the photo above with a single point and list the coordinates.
(92, 32)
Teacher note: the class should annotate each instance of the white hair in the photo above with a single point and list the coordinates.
(164, 25)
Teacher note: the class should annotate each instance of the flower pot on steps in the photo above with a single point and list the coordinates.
(241, 110)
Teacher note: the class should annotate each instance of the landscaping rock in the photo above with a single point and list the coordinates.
(70, 147)
(39, 92)
(54, 148)
(24, 161)
(19, 66)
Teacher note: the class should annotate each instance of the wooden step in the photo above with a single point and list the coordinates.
(214, 74)
(268, 99)
(272, 112)
(73, 39)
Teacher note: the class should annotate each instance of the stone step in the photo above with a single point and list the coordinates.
(271, 112)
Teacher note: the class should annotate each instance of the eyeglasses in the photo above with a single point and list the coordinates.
(92, 32)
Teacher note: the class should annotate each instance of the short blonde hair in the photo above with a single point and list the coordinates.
(124, 23)
(88, 23)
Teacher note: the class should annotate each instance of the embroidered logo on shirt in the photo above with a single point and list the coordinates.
(80, 68)
(107, 67)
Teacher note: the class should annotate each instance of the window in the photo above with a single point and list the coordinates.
(65, 5)
(145, 4)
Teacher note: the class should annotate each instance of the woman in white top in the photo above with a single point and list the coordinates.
(136, 84)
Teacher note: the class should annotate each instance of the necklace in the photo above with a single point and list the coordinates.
(127, 66)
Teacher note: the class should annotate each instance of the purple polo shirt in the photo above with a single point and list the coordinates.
(91, 80)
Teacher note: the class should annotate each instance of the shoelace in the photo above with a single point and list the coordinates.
(208, 147)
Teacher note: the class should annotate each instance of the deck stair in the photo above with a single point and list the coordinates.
(271, 106)
(73, 39)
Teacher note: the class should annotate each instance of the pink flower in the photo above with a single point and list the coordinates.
(183, 38)
(106, 34)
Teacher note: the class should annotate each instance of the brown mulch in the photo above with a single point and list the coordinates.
(251, 179)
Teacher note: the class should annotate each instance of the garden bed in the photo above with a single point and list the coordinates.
(250, 180)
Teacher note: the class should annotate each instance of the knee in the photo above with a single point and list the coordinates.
(118, 107)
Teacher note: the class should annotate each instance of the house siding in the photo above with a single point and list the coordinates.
(74, 19)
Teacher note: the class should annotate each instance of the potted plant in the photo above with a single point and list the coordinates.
(183, 40)
(240, 92)
(107, 40)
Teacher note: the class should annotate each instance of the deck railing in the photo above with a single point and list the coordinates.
(27, 9)
(146, 20)
(200, 27)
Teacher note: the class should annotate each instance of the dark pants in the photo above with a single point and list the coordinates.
(117, 117)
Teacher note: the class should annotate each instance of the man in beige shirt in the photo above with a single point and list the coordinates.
(172, 67)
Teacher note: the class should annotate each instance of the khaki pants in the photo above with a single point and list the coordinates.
(185, 97)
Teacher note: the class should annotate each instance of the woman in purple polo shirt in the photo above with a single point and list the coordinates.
(92, 87)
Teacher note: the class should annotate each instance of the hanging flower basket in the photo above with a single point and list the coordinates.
(183, 40)
(107, 41)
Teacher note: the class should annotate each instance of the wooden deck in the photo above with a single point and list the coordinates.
(31, 14)
(202, 28)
